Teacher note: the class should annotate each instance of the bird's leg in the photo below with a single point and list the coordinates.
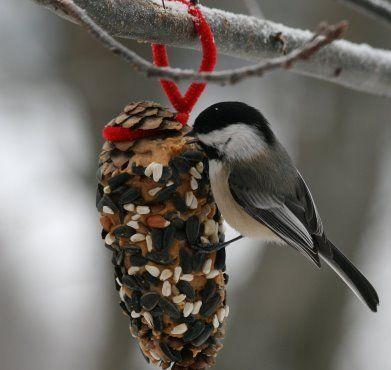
(211, 248)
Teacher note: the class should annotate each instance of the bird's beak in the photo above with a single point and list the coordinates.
(190, 139)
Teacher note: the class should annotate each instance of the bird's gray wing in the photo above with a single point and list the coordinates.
(285, 216)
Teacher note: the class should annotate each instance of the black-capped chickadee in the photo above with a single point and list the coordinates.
(260, 192)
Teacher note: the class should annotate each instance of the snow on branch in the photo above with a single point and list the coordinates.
(360, 67)
(379, 9)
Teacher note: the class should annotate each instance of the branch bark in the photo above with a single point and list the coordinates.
(379, 9)
(356, 66)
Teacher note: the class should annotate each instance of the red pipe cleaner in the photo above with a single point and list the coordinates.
(183, 104)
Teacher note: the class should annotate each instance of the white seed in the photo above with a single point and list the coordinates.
(166, 289)
(170, 183)
(129, 207)
(222, 228)
(193, 184)
(153, 270)
(187, 277)
(135, 315)
(195, 173)
(226, 311)
(179, 329)
(213, 274)
(216, 322)
(118, 282)
(154, 191)
(137, 238)
(214, 239)
(107, 210)
(200, 167)
(210, 227)
(154, 355)
(197, 307)
(143, 210)
(133, 270)
(166, 274)
(122, 294)
(189, 198)
(221, 314)
(149, 169)
(188, 309)
(107, 190)
(194, 203)
(133, 224)
(109, 239)
(207, 266)
(177, 273)
(179, 298)
(204, 240)
(148, 318)
(136, 217)
(157, 172)
(149, 242)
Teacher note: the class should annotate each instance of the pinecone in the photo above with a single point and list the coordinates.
(155, 203)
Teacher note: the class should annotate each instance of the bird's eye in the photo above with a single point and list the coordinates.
(216, 108)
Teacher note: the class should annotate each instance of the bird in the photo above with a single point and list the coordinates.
(261, 194)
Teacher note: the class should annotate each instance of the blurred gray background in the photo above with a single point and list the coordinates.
(58, 305)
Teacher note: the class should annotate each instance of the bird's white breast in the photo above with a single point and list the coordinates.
(233, 213)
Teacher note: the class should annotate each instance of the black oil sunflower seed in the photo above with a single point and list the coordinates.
(119, 180)
(193, 156)
(179, 202)
(168, 237)
(99, 195)
(185, 261)
(165, 193)
(198, 261)
(192, 229)
(158, 323)
(138, 170)
(151, 279)
(124, 231)
(133, 303)
(180, 235)
(186, 288)
(226, 278)
(166, 175)
(209, 290)
(118, 272)
(138, 261)
(157, 311)
(172, 354)
(149, 300)
(178, 223)
(210, 306)
(181, 164)
(106, 201)
(220, 260)
(129, 196)
(170, 309)
(142, 282)
(157, 238)
(161, 258)
(194, 332)
(124, 308)
(131, 282)
(172, 215)
(203, 337)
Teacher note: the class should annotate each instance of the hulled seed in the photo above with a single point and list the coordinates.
(187, 277)
(179, 329)
(143, 210)
(107, 190)
(216, 322)
(135, 315)
(154, 355)
(213, 274)
(188, 309)
(165, 275)
(207, 266)
(133, 270)
(129, 207)
(179, 298)
(153, 270)
(200, 167)
(148, 240)
(210, 228)
(193, 171)
(136, 217)
(189, 198)
(133, 224)
(107, 210)
(148, 318)
(226, 311)
(193, 184)
(148, 170)
(194, 203)
(157, 172)
(166, 289)
(170, 183)
(221, 314)
(197, 307)
(137, 238)
(177, 273)
(154, 191)
(109, 239)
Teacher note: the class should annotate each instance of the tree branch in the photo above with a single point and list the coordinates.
(379, 9)
(356, 66)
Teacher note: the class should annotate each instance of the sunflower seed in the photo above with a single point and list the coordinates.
(203, 337)
(131, 282)
(193, 184)
(185, 261)
(148, 318)
(209, 290)
(157, 172)
(158, 323)
(153, 270)
(107, 190)
(177, 273)
(194, 203)
(198, 261)
(187, 277)
(137, 238)
(123, 231)
(178, 223)
(210, 306)
(161, 258)
(109, 239)
(165, 275)
(188, 309)
(154, 191)
(193, 156)
(144, 284)
(133, 224)
(133, 303)
(193, 171)
(186, 288)
(170, 309)
(149, 169)
(123, 306)
(207, 266)
(122, 294)
(179, 298)
(157, 238)
(148, 240)
(166, 289)
(143, 210)
(170, 183)
(200, 167)
(181, 164)
(108, 210)
(213, 274)
(151, 279)
(221, 314)
(197, 307)
(192, 229)
(133, 270)
(226, 311)
(171, 354)
(138, 261)
(195, 331)
(168, 237)
(129, 207)
(154, 355)
(216, 322)
(136, 217)
(179, 329)
(220, 260)
(179, 203)
(149, 300)
(189, 198)
(180, 235)
(165, 194)
(129, 196)
(135, 315)
(119, 180)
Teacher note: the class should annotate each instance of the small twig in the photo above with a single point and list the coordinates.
(328, 35)
(380, 9)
